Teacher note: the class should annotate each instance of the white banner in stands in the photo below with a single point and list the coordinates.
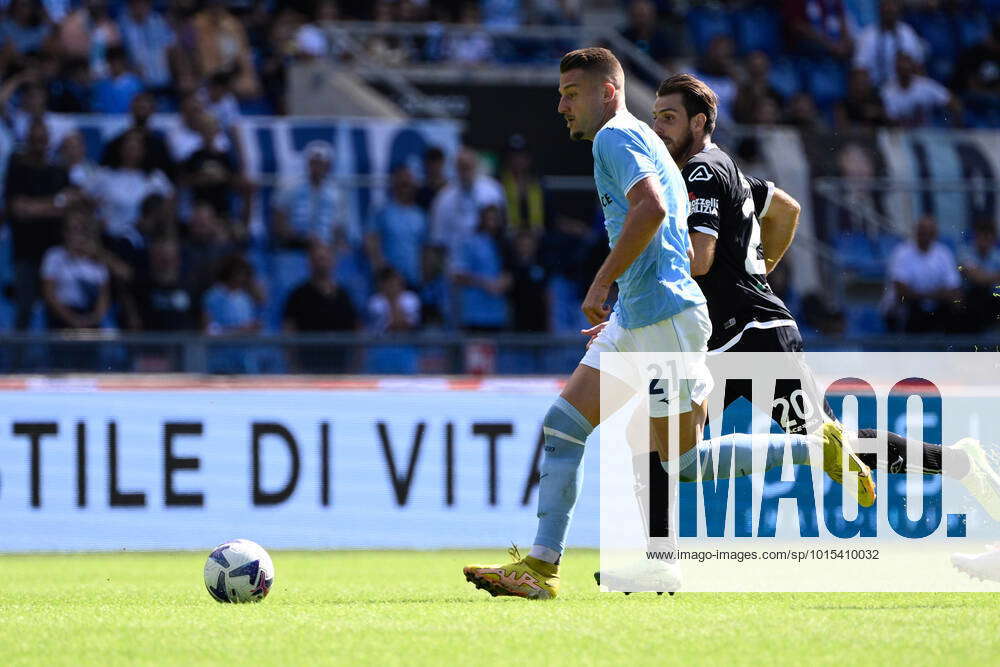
(188, 469)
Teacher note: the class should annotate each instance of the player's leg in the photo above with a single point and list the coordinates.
(567, 424)
(964, 461)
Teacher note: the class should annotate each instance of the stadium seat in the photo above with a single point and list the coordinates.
(757, 30)
(825, 80)
(864, 320)
(784, 77)
(938, 30)
(704, 23)
(973, 29)
(860, 256)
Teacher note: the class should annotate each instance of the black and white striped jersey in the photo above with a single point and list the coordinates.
(726, 204)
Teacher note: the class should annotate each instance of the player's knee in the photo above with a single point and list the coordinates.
(564, 425)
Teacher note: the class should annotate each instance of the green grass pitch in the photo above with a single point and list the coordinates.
(416, 608)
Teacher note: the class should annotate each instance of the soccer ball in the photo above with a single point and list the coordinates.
(239, 571)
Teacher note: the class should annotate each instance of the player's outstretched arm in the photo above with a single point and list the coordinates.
(646, 211)
(777, 227)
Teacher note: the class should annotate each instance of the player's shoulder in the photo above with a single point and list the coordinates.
(622, 128)
(711, 163)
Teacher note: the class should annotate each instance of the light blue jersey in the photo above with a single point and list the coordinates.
(658, 284)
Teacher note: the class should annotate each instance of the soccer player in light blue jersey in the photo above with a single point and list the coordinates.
(660, 308)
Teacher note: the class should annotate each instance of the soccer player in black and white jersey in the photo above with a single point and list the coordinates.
(740, 228)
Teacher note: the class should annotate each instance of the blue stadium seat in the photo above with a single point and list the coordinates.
(825, 80)
(864, 320)
(973, 28)
(938, 30)
(757, 30)
(860, 256)
(704, 23)
(784, 77)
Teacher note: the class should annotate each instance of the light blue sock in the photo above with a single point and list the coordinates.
(740, 446)
(561, 476)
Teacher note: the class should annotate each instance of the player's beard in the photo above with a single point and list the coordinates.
(679, 150)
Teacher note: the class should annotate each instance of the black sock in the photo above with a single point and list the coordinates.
(896, 454)
(652, 491)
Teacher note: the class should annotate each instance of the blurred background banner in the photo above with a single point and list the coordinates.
(404, 466)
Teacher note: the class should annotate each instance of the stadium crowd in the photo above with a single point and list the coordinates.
(154, 236)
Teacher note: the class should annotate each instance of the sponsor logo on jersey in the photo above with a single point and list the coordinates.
(709, 206)
(700, 173)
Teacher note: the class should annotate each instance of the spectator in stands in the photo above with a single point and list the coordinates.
(230, 306)
(320, 304)
(25, 27)
(862, 108)
(912, 98)
(187, 137)
(33, 99)
(166, 301)
(69, 89)
(149, 40)
(113, 93)
(523, 194)
(755, 89)
(529, 293)
(156, 154)
(36, 193)
(393, 308)
(314, 207)
(212, 175)
(455, 211)
(923, 283)
(208, 243)
(817, 28)
(222, 46)
(879, 43)
(89, 32)
(644, 32)
(803, 113)
(479, 271)
(75, 284)
(83, 174)
(977, 75)
(217, 98)
(718, 69)
(435, 290)
(398, 230)
(434, 178)
(121, 190)
(471, 47)
(980, 266)
(156, 218)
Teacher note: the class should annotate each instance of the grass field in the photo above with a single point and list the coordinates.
(416, 608)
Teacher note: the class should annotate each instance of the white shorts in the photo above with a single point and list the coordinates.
(687, 332)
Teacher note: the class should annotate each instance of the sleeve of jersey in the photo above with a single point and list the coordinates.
(704, 193)
(762, 192)
(624, 158)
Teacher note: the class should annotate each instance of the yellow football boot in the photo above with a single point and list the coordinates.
(525, 577)
(835, 448)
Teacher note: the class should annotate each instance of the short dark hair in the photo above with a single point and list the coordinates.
(595, 59)
(698, 97)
